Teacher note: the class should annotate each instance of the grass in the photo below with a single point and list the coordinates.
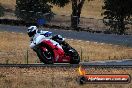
(98, 51)
(14, 48)
(47, 77)
(8, 4)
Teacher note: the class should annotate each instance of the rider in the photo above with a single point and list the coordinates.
(34, 33)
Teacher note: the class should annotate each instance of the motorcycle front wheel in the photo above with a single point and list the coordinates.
(46, 56)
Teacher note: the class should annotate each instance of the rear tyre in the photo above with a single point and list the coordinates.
(75, 58)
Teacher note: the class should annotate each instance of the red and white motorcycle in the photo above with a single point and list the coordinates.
(49, 51)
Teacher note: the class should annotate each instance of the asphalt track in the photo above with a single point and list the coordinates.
(95, 37)
(93, 64)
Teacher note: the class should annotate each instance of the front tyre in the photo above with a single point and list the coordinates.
(46, 56)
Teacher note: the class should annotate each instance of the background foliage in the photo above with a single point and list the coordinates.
(118, 12)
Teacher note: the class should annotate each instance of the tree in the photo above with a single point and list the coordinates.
(117, 12)
(1, 11)
(27, 9)
(31, 10)
(76, 10)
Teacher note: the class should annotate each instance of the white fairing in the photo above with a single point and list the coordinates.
(37, 39)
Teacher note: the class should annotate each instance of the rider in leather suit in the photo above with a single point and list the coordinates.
(34, 33)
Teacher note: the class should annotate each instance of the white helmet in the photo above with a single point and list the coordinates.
(32, 30)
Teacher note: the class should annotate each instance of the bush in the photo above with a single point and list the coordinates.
(32, 10)
(1, 11)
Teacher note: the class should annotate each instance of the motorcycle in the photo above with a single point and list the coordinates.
(49, 51)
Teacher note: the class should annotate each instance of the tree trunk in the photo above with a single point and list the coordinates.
(76, 11)
(80, 5)
(74, 14)
(121, 26)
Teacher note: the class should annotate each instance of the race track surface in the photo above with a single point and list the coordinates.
(93, 64)
(96, 37)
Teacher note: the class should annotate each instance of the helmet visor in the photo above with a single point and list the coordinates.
(30, 34)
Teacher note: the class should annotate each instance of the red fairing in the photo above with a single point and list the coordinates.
(59, 54)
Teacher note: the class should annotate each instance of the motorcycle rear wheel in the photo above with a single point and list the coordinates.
(75, 58)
